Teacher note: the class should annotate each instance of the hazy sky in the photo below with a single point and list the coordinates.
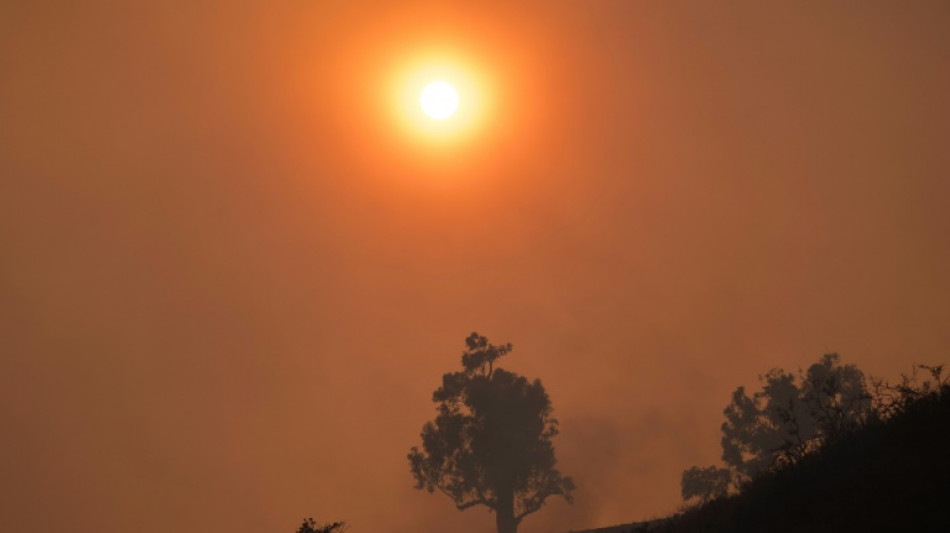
(229, 281)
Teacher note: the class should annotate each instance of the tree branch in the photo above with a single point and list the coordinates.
(466, 505)
(533, 507)
(473, 503)
(535, 502)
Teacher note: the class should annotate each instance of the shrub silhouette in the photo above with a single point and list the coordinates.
(311, 526)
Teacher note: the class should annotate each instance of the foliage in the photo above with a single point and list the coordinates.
(490, 443)
(311, 526)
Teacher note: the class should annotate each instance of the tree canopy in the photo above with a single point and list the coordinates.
(490, 443)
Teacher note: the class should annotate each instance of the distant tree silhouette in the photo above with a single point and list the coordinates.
(311, 526)
(490, 443)
(836, 397)
(786, 420)
(783, 422)
(766, 428)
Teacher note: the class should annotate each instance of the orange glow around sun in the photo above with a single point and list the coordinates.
(439, 98)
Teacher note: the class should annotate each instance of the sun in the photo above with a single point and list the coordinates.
(439, 100)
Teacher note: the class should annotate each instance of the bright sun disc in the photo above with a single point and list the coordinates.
(439, 100)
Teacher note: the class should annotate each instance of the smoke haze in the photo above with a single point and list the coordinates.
(228, 286)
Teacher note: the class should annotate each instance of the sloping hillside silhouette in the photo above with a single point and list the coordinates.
(889, 475)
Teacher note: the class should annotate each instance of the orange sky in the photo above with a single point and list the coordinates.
(229, 280)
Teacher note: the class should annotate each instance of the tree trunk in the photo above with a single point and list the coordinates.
(505, 513)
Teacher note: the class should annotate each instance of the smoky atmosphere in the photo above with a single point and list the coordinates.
(257, 258)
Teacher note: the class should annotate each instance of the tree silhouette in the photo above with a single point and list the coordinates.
(490, 443)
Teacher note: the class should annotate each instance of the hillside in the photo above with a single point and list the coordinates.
(887, 476)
